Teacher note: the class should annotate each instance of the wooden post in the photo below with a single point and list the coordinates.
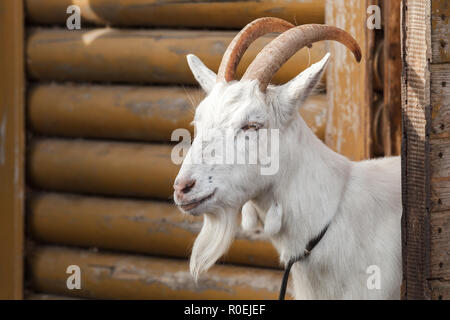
(349, 84)
(425, 155)
(11, 148)
(392, 111)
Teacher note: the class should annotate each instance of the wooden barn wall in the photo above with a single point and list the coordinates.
(426, 141)
(101, 105)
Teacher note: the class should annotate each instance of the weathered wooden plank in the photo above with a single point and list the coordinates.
(415, 148)
(440, 194)
(129, 112)
(144, 56)
(440, 137)
(440, 250)
(440, 290)
(440, 31)
(114, 276)
(440, 159)
(110, 168)
(150, 227)
(349, 84)
(440, 101)
(175, 13)
(12, 149)
(392, 109)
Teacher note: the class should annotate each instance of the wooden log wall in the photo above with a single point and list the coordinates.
(140, 56)
(140, 113)
(426, 141)
(176, 13)
(151, 227)
(101, 105)
(119, 276)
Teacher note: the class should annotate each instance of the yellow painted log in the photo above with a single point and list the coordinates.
(122, 112)
(176, 13)
(151, 227)
(128, 169)
(145, 56)
(128, 112)
(114, 276)
(45, 296)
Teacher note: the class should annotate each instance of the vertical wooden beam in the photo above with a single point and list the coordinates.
(12, 86)
(416, 117)
(439, 282)
(392, 111)
(349, 84)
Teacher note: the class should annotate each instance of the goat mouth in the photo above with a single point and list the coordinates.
(196, 203)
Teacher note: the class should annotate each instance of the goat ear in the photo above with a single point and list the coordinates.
(204, 76)
(294, 93)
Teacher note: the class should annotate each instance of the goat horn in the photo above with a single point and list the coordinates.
(279, 50)
(242, 41)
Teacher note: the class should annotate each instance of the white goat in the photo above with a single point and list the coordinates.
(314, 186)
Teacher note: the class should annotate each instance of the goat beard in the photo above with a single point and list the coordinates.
(213, 241)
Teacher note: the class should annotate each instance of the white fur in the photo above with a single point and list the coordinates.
(249, 220)
(313, 187)
(274, 216)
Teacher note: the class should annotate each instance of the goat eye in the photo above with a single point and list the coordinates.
(252, 126)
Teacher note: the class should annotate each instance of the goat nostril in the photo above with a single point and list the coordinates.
(183, 186)
(188, 186)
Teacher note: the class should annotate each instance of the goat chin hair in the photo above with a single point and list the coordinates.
(213, 241)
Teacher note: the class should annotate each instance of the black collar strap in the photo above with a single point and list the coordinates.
(309, 247)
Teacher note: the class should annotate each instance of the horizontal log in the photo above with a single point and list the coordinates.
(121, 112)
(150, 227)
(128, 112)
(217, 14)
(112, 168)
(143, 56)
(113, 276)
(45, 296)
